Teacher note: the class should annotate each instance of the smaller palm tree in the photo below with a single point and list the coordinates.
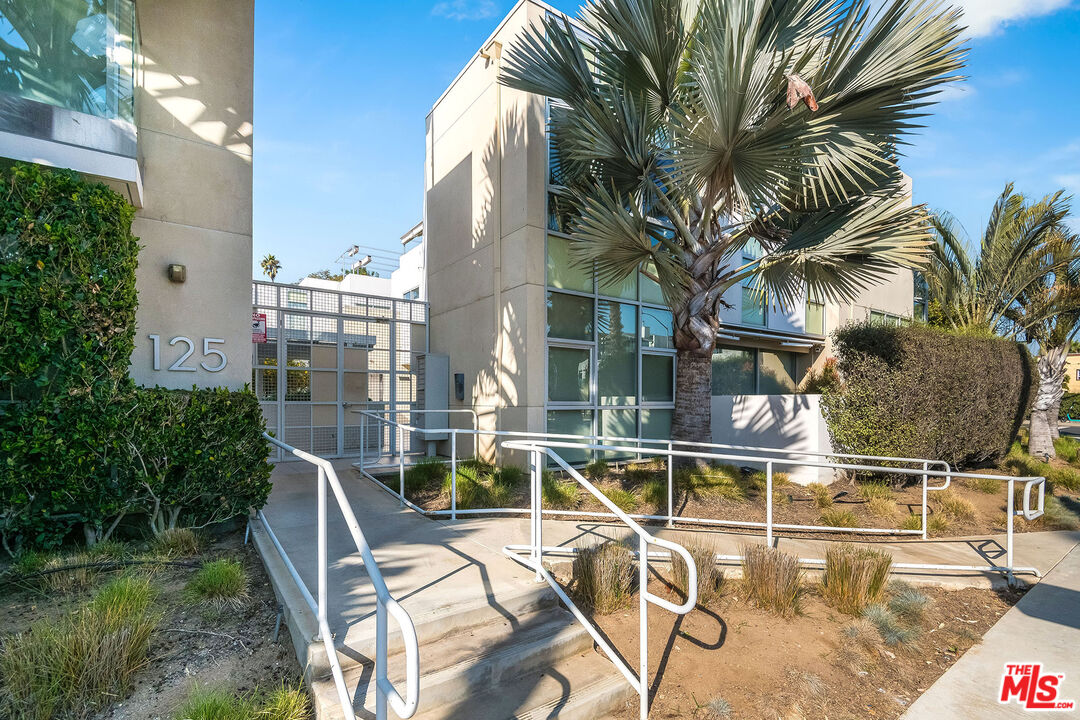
(270, 267)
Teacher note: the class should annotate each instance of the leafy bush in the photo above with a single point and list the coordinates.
(80, 445)
(1070, 407)
(918, 391)
(854, 577)
(67, 264)
(220, 583)
(710, 576)
(772, 579)
(604, 577)
(67, 667)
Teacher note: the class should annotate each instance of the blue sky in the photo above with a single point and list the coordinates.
(342, 89)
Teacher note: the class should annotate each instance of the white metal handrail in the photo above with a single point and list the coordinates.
(671, 518)
(377, 415)
(536, 562)
(385, 604)
(769, 462)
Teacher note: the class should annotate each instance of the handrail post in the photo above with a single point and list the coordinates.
(363, 421)
(321, 533)
(643, 629)
(925, 481)
(537, 515)
(453, 475)
(401, 465)
(1009, 532)
(670, 486)
(380, 658)
(768, 504)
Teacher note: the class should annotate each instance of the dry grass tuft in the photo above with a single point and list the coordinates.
(875, 489)
(854, 577)
(67, 667)
(772, 579)
(823, 496)
(176, 542)
(881, 507)
(604, 577)
(710, 575)
(839, 518)
(985, 485)
(954, 506)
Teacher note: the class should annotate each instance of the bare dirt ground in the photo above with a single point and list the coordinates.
(807, 666)
(232, 649)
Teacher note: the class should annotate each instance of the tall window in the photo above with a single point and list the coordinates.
(815, 315)
(749, 371)
(753, 301)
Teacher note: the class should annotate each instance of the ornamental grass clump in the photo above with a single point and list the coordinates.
(772, 579)
(623, 499)
(176, 542)
(219, 583)
(710, 576)
(954, 506)
(839, 518)
(854, 577)
(75, 665)
(426, 474)
(559, 494)
(823, 497)
(722, 482)
(604, 577)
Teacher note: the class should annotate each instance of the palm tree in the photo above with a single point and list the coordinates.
(688, 129)
(1023, 284)
(1014, 257)
(1050, 316)
(270, 267)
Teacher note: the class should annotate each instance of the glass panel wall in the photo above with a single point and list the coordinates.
(571, 422)
(617, 353)
(562, 272)
(569, 316)
(74, 54)
(568, 374)
(815, 317)
(776, 372)
(733, 371)
(657, 378)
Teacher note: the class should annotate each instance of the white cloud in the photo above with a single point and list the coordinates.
(465, 9)
(985, 17)
(1070, 182)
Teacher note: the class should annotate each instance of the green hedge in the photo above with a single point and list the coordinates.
(918, 391)
(1070, 407)
(67, 285)
(80, 445)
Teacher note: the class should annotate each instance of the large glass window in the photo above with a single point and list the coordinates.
(655, 423)
(627, 289)
(616, 359)
(650, 289)
(753, 300)
(618, 423)
(657, 378)
(733, 371)
(75, 54)
(562, 272)
(569, 316)
(777, 372)
(568, 374)
(657, 328)
(815, 315)
(571, 422)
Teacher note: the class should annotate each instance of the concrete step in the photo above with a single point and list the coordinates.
(480, 658)
(585, 686)
(357, 648)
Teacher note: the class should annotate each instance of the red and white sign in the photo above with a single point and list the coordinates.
(1033, 689)
(258, 327)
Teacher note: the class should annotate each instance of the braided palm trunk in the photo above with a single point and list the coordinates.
(1044, 419)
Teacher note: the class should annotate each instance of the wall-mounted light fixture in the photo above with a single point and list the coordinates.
(177, 272)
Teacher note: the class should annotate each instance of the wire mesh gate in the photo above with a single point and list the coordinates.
(327, 353)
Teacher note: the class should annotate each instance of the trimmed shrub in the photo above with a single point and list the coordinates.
(80, 445)
(918, 391)
(604, 577)
(1070, 408)
(772, 579)
(854, 577)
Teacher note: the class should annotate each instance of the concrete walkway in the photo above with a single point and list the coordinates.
(431, 564)
(1044, 627)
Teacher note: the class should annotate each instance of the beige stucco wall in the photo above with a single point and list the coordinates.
(484, 229)
(195, 146)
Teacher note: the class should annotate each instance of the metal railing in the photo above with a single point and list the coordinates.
(640, 681)
(671, 518)
(553, 440)
(385, 604)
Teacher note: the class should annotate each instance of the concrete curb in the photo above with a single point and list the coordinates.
(302, 623)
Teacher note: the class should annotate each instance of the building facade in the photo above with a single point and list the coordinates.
(154, 98)
(540, 343)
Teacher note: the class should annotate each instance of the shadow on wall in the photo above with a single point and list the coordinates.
(789, 422)
(467, 220)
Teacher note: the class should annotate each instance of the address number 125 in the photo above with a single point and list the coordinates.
(179, 365)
